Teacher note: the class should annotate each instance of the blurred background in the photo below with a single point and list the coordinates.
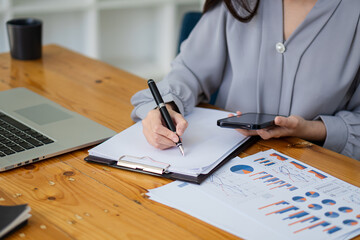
(139, 36)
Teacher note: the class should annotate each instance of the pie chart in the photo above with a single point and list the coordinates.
(299, 199)
(328, 202)
(358, 216)
(315, 206)
(312, 194)
(332, 214)
(242, 169)
(350, 222)
(345, 209)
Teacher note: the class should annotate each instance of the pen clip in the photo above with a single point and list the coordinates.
(143, 163)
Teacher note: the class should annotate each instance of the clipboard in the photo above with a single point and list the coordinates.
(161, 171)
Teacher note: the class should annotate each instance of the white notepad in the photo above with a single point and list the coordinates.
(205, 145)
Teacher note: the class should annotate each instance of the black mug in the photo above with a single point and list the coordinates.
(25, 38)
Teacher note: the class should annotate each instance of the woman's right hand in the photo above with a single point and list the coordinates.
(156, 132)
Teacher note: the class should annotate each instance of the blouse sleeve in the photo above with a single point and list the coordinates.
(196, 72)
(343, 129)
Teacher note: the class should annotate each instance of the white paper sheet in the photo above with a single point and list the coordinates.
(278, 192)
(186, 197)
(205, 144)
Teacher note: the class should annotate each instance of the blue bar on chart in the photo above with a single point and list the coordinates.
(263, 177)
(259, 159)
(311, 219)
(281, 185)
(275, 204)
(278, 156)
(297, 215)
(258, 173)
(323, 223)
(283, 210)
(317, 174)
(265, 161)
(269, 164)
(271, 180)
(298, 165)
(332, 229)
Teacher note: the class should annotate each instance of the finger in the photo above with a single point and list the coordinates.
(287, 122)
(160, 145)
(180, 123)
(156, 140)
(238, 113)
(275, 132)
(157, 126)
(154, 131)
(265, 134)
(154, 124)
(164, 132)
(162, 142)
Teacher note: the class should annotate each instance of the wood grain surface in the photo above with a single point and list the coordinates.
(73, 199)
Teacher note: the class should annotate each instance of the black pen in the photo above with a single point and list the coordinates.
(164, 112)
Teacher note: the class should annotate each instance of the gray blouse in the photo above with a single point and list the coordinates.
(314, 73)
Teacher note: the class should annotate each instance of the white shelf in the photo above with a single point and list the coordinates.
(47, 6)
(115, 4)
(3, 35)
(139, 36)
(4, 6)
(4, 16)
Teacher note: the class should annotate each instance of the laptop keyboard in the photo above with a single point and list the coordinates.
(17, 137)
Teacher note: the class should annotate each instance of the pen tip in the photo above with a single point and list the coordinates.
(182, 150)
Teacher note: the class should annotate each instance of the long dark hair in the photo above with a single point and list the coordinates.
(242, 10)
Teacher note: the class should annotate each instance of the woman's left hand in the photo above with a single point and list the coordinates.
(294, 126)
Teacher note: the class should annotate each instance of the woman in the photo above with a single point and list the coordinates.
(293, 58)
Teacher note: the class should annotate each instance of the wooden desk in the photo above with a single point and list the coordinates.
(72, 199)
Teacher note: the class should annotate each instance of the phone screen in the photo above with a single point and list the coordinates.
(248, 121)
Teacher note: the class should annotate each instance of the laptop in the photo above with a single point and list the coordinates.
(33, 128)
